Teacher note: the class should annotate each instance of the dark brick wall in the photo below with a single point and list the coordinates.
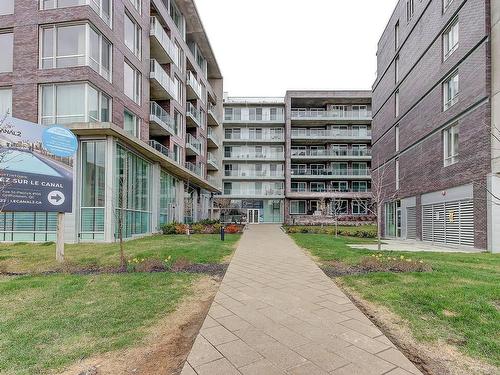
(422, 117)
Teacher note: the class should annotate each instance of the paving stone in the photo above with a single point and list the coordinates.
(399, 371)
(239, 353)
(220, 367)
(209, 323)
(187, 370)
(202, 352)
(365, 329)
(233, 323)
(254, 337)
(364, 342)
(262, 367)
(218, 335)
(395, 356)
(307, 368)
(351, 369)
(219, 311)
(321, 357)
(280, 355)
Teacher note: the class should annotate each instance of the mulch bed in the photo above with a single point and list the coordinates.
(338, 269)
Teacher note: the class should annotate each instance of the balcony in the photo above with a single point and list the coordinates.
(328, 192)
(162, 48)
(263, 119)
(328, 173)
(257, 156)
(214, 181)
(160, 122)
(212, 162)
(193, 87)
(197, 168)
(254, 193)
(213, 140)
(213, 119)
(264, 137)
(254, 175)
(321, 115)
(103, 11)
(193, 145)
(331, 154)
(162, 86)
(326, 135)
(194, 117)
(163, 149)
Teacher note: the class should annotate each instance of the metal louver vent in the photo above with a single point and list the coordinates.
(411, 223)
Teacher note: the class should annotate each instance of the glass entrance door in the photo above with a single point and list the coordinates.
(253, 216)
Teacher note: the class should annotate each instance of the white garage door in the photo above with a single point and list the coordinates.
(450, 223)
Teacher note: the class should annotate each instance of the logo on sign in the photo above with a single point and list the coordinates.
(60, 141)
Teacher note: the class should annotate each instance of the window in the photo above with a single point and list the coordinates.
(359, 186)
(180, 57)
(298, 207)
(132, 35)
(5, 101)
(396, 36)
(450, 91)
(136, 4)
(359, 208)
(228, 187)
(131, 123)
(396, 137)
(340, 186)
(299, 187)
(178, 89)
(397, 173)
(178, 19)
(101, 7)
(132, 83)
(178, 122)
(339, 207)
(396, 104)
(6, 7)
(7, 48)
(75, 45)
(318, 187)
(450, 145)
(75, 102)
(396, 69)
(450, 39)
(410, 9)
(446, 4)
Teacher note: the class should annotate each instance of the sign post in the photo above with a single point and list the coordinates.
(36, 170)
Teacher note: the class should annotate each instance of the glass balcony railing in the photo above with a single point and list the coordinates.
(264, 136)
(160, 75)
(328, 189)
(254, 174)
(212, 158)
(102, 8)
(213, 112)
(170, 48)
(255, 192)
(193, 142)
(330, 133)
(213, 137)
(255, 155)
(277, 118)
(197, 169)
(163, 149)
(332, 153)
(162, 117)
(319, 113)
(195, 85)
(195, 114)
(327, 172)
(214, 181)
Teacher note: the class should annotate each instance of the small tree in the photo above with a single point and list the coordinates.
(121, 200)
(337, 209)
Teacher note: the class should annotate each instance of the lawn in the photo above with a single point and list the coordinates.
(197, 248)
(52, 321)
(458, 302)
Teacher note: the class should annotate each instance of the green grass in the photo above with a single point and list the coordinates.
(458, 302)
(47, 322)
(197, 248)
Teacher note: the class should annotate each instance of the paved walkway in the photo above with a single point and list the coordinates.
(417, 246)
(277, 313)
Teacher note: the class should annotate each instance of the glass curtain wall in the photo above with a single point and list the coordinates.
(28, 226)
(168, 198)
(132, 194)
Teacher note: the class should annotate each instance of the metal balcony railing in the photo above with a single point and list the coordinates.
(331, 133)
(332, 153)
(159, 33)
(320, 113)
(163, 149)
(159, 115)
(326, 172)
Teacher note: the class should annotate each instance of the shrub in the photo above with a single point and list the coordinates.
(181, 228)
(169, 228)
(198, 228)
(233, 228)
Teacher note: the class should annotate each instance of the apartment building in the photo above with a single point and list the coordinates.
(328, 155)
(254, 160)
(304, 158)
(435, 122)
(138, 83)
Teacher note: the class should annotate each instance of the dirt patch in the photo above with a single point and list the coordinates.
(371, 264)
(167, 345)
(439, 358)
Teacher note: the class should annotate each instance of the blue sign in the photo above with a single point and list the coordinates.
(36, 167)
(60, 141)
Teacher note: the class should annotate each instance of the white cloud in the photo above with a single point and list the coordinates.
(265, 47)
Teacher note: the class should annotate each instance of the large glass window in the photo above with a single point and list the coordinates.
(5, 101)
(93, 190)
(178, 19)
(131, 123)
(168, 198)
(102, 7)
(450, 39)
(450, 91)
(75, 102)
(132, 82)
(297, 207)
(132, 200)
(136, 4)
(132, 35)
(7, 48)
(75, 45)
(28, 226)
(450, 143)
(6, 7)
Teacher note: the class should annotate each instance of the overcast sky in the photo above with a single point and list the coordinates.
(265, 47)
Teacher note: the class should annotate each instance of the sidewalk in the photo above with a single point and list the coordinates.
(277, 313)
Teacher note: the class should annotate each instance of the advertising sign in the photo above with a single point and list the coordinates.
(36, 167)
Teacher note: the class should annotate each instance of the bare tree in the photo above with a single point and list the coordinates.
(337, 209)
(121, 201)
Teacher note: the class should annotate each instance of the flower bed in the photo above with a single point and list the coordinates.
(362, 231)
(202, 227)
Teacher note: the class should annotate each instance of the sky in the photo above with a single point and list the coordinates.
(265, 47)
